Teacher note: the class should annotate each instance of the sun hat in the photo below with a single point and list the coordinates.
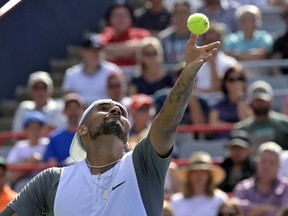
(201, 161)
(77, 152)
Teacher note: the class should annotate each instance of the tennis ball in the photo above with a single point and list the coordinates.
(198, 23)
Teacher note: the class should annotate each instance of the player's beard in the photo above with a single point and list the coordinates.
(110, 128)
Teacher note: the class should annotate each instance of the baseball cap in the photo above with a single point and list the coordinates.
(93, 41)
(34, 116)
(239, 138)
(40, 76)
(139, 100)
(260, 90)
(73, 97)
(77, 152)
(271, 147)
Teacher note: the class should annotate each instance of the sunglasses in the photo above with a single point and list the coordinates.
(114, 86)
(150, 54)
(40, 88)
(235, 79)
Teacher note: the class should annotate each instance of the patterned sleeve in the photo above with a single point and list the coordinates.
(37, 197)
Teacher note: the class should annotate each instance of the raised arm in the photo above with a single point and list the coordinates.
(163, 129)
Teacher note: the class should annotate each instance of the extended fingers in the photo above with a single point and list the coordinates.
(210, 47)
(192, 40)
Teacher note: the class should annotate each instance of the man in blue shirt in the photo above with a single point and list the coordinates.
(57, 152)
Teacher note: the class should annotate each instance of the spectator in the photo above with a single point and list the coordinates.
(28, 151)
(280, 48)
(210, 75)
(239, 164)
(40, 87)
(57, 152)
(249, 43)
(6, 193)
(258, 3)
(153, 75)
(175, 37)
(265, 124)
(167, 209)
(200, 195)
(220, 11)
(120, 36)
(153, 16)
(117, 88)
(233, 107)
(230, 208)
(284, 107)
(283, 170)
(264, 193)
(141, 111)
(283, 211)
(89, 78)
(197, 110)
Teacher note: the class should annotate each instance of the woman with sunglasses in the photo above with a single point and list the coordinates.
(153, 76)
(233, 107)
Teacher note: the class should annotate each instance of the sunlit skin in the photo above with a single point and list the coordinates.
(199, 180)
(73, 112)
(179, 18)
(239, 154)
(2, 179)
(260, 108)
(107, 144)
(33, 132)
(248, 24)
(120, 20)
(91, 58)
(267, 167)
(235, 88)
(40, 93)
(116, 87)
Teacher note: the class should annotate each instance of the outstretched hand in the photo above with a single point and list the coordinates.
(195, 56)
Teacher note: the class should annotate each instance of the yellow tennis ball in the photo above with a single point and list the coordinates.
(198, 23)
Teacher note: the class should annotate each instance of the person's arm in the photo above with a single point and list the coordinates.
(163, 129)
(37, 197)
(124, 50)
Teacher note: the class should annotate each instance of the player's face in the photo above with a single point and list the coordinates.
(108, 119)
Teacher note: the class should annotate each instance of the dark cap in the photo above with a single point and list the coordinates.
(239, 138)
(93, 41)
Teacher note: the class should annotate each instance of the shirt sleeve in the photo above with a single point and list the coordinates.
(151, 171)
(37, 197)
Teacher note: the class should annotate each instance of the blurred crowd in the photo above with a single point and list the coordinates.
(251, 177)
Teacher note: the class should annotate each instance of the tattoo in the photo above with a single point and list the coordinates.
(180, 95)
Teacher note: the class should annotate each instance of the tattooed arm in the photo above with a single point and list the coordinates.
(163, 129)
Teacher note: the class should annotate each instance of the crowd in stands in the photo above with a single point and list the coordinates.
(252, 176)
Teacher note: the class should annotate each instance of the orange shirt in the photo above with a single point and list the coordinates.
(6, 196)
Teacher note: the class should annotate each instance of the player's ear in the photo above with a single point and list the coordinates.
(82, 130)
